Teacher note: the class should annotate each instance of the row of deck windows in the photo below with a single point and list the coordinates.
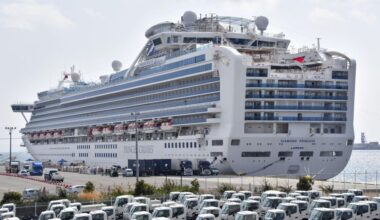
(110, 155)
(83, 155)
(290, 154)
(83, 147)
(105, 146)
(181, 145)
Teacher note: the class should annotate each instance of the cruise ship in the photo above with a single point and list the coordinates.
(215, 88)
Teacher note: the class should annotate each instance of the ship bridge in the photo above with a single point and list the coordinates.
(22, 108)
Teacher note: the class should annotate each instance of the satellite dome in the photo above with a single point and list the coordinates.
(261, 23)
(75, 77)
(189, 18)
(116, 65)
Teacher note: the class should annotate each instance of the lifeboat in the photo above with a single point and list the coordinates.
(150, 127)
(119, 129)
(42, 135)
(167, 126)
(49, 135)
(57, 134)
(132, 128)
(97, 131)
(108, 130)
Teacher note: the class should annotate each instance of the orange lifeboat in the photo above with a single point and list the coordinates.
(120, 129)
(108, 130)
(150, 126)
(132, 128)
(97, 131)
(42, 135)
(57, 134)
(167, 126)
(49, 135)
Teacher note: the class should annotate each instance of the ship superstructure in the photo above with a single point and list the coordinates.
(212, 88)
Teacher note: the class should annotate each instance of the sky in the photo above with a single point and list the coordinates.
(41, 39)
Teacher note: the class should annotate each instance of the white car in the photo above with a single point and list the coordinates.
(76, 189)
(23, 173)
(31, 193)
(128, 172)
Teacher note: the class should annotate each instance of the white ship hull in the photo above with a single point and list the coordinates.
(295, 165)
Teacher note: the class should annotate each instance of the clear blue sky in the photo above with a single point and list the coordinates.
(41, 39)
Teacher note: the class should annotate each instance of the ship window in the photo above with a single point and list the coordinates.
(187, 144)
(157, 41)
(191, 144)
(306, 153)
(235, 142)
(331, 153)
(216, 154)
(189, 40)
(239, 41)
(175, 39)
(168, 40)
(217, 142)
(256, 72)
(175, 145)
(263, 43)
(195, 144)
(285, 154)
(165, 145)
(255, 154)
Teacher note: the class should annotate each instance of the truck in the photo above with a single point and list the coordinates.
(183, 167)
(14, 167)
(36, 169)
(162, 167)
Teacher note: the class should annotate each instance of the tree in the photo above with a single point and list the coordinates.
(143, 188)
(194, 186)
(89, 187)
(305, 183)
(11, 197)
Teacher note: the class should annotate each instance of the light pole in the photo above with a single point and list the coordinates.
(10, 129)
(136, 114)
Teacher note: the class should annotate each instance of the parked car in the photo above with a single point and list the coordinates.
(23, 173)
(55, 177)
(30, 193)
(127, 172)
(76, 189)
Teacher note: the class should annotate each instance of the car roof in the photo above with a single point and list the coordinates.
(97, 212)
(69, 209)
(287, 204)
(210, 208)
(81, 215)
(108, 207)
(247, 213)
(208, 215)
(343, 209)
(231, 203)
(141, 213)
(162, 208)
(324, 209)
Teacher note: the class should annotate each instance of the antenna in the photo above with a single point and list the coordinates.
(318, 43)
(261, 23)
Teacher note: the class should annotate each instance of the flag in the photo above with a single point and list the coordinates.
(299, 59)
(65, 76)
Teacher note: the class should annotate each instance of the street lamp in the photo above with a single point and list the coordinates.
(136, 114)
(10, 129)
